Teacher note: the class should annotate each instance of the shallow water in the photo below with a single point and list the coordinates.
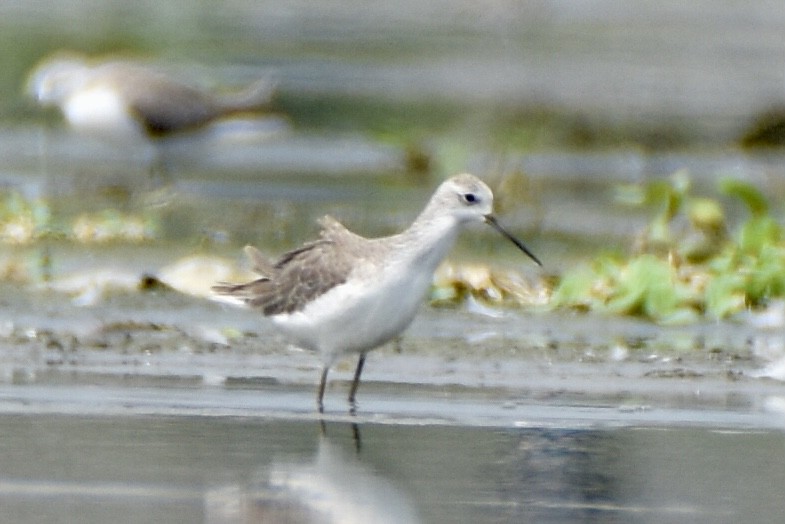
(131, 411)
(223, 468)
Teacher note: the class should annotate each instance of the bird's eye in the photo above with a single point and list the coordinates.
(470, 198)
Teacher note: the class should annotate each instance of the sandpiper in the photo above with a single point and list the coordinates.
(122, 98)
(344, 293)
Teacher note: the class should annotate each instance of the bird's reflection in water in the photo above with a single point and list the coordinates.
(337, 487)
(355, 431)
(334, 486)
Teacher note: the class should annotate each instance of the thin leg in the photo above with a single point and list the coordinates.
(320, 394)
(358, 444)
(356, 381)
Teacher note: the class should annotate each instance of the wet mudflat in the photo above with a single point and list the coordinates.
(137, 410)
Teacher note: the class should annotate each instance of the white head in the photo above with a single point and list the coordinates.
(56, 79)
(464, 197)
(467, 199)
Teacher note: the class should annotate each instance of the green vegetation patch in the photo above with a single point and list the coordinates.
(24, 221)
(686, 265)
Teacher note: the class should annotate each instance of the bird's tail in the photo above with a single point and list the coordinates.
(255, 97)
(232, 294)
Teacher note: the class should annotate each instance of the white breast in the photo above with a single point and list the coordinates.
(100, 110)
(358, 315)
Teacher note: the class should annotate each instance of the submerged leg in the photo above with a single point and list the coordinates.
(320, 394)
(356, 381)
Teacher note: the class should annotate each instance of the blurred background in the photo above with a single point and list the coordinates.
(553, 102)
(595, 73)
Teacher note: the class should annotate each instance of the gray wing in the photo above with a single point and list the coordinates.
(297, 278)
(164, 105)
(161, 104)
(259, 263)
(172, 108)
(301, 275)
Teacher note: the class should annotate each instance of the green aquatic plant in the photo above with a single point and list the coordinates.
(649, 286)
(26, 220)
(685, 265)
(22, 220)
(111, 226)
(645, 285)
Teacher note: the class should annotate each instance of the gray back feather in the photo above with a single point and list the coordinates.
(301, 275)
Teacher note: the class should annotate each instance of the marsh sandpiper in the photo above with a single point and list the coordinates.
(344, 293)
(123, 98)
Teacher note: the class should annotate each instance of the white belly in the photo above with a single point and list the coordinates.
(100, 111)
(354, 317)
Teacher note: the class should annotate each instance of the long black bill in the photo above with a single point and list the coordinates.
(491, 220)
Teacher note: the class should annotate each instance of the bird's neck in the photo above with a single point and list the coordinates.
(429, 239)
